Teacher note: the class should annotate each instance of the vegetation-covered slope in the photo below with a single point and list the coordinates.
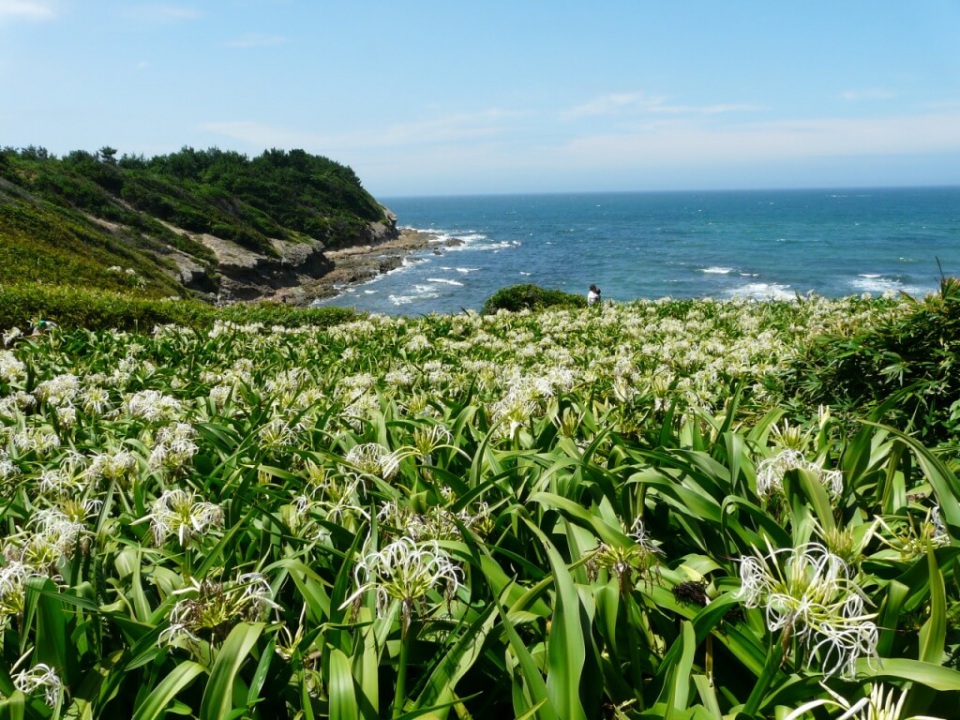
(563, 514)
(69, 220)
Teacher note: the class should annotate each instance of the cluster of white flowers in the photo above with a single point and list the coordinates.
(206, 606)
(11, 369)
(174, 448)
(372, 459)
(881, 704)
(151, 405)
(178, 512)
(40, 677)
(770, 473)
(807, 593)
(406, 571)
(119, 465)
(9, 336)
(59, 391)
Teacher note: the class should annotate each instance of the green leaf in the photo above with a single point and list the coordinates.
(945, 483)
(461, 656)
(343, 697)
(934, 630)
(536, 687)
(578, 514)
(897, 593)
(13, 707)
(679, 687)
(924, 673)
(217, 699)
(566, 651)
(816, 494)
(932, 636)
(52, 644)
(166, 690)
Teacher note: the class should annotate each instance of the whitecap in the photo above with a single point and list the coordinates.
(525, 273)
(714, 270)
(495, 246)
(445, 281)
(875, 283)
(466, 269)
(763, 291)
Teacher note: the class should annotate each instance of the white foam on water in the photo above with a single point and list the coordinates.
(466, 269)
(875, 283)
(714, 270)
(445, 281)
(420, 292)
(763, 291)
(407, 299)
(525, 273)
(495, 246)
(369, 292)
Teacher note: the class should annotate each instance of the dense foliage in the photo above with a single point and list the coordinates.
(66, 220)
(530, 297)
(23, 304)
(906, 369)
(567, 514)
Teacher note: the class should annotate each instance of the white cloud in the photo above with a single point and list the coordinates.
(868, 94)
(695, 145)
(624, 104)
(26, 10)
(160, 13)
(439, 131)
(251, 41)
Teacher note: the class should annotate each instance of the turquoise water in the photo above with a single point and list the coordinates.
(761, 244)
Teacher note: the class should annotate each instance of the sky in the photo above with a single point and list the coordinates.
(450, 97)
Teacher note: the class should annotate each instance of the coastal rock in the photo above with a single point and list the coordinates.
(294, 275)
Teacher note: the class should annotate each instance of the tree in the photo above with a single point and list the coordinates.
(108, 155)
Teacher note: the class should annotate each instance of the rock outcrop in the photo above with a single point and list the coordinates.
(247, 275)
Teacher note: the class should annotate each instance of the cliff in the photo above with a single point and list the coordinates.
(209, 223)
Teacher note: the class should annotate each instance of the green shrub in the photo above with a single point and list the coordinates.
(530, 297)
(73, 307)
(907, 369)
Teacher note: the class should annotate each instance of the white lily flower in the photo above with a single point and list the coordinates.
(808, 592)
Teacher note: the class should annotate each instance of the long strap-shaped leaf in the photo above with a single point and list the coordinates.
(566, 651)
(218, 697)
(157, 701)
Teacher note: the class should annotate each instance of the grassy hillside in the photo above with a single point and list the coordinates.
(69, 220)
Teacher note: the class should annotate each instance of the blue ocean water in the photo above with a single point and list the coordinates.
(761, 244)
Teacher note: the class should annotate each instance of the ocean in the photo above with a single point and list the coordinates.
(759, 244)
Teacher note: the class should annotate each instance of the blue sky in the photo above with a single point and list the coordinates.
(450, 97)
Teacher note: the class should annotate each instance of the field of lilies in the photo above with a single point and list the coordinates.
(557, 515)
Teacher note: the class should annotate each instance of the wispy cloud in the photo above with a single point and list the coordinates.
(868, 94)
(254, 40)
(26, 10)
(696, 144)
(629, 104)
(160, 13)
(438, 131)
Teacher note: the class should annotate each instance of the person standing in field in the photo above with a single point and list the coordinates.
(593, 296)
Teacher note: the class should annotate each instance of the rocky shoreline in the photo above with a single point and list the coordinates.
(359, 264)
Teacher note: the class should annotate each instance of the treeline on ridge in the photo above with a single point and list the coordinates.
(66, 219)
(274, 195)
